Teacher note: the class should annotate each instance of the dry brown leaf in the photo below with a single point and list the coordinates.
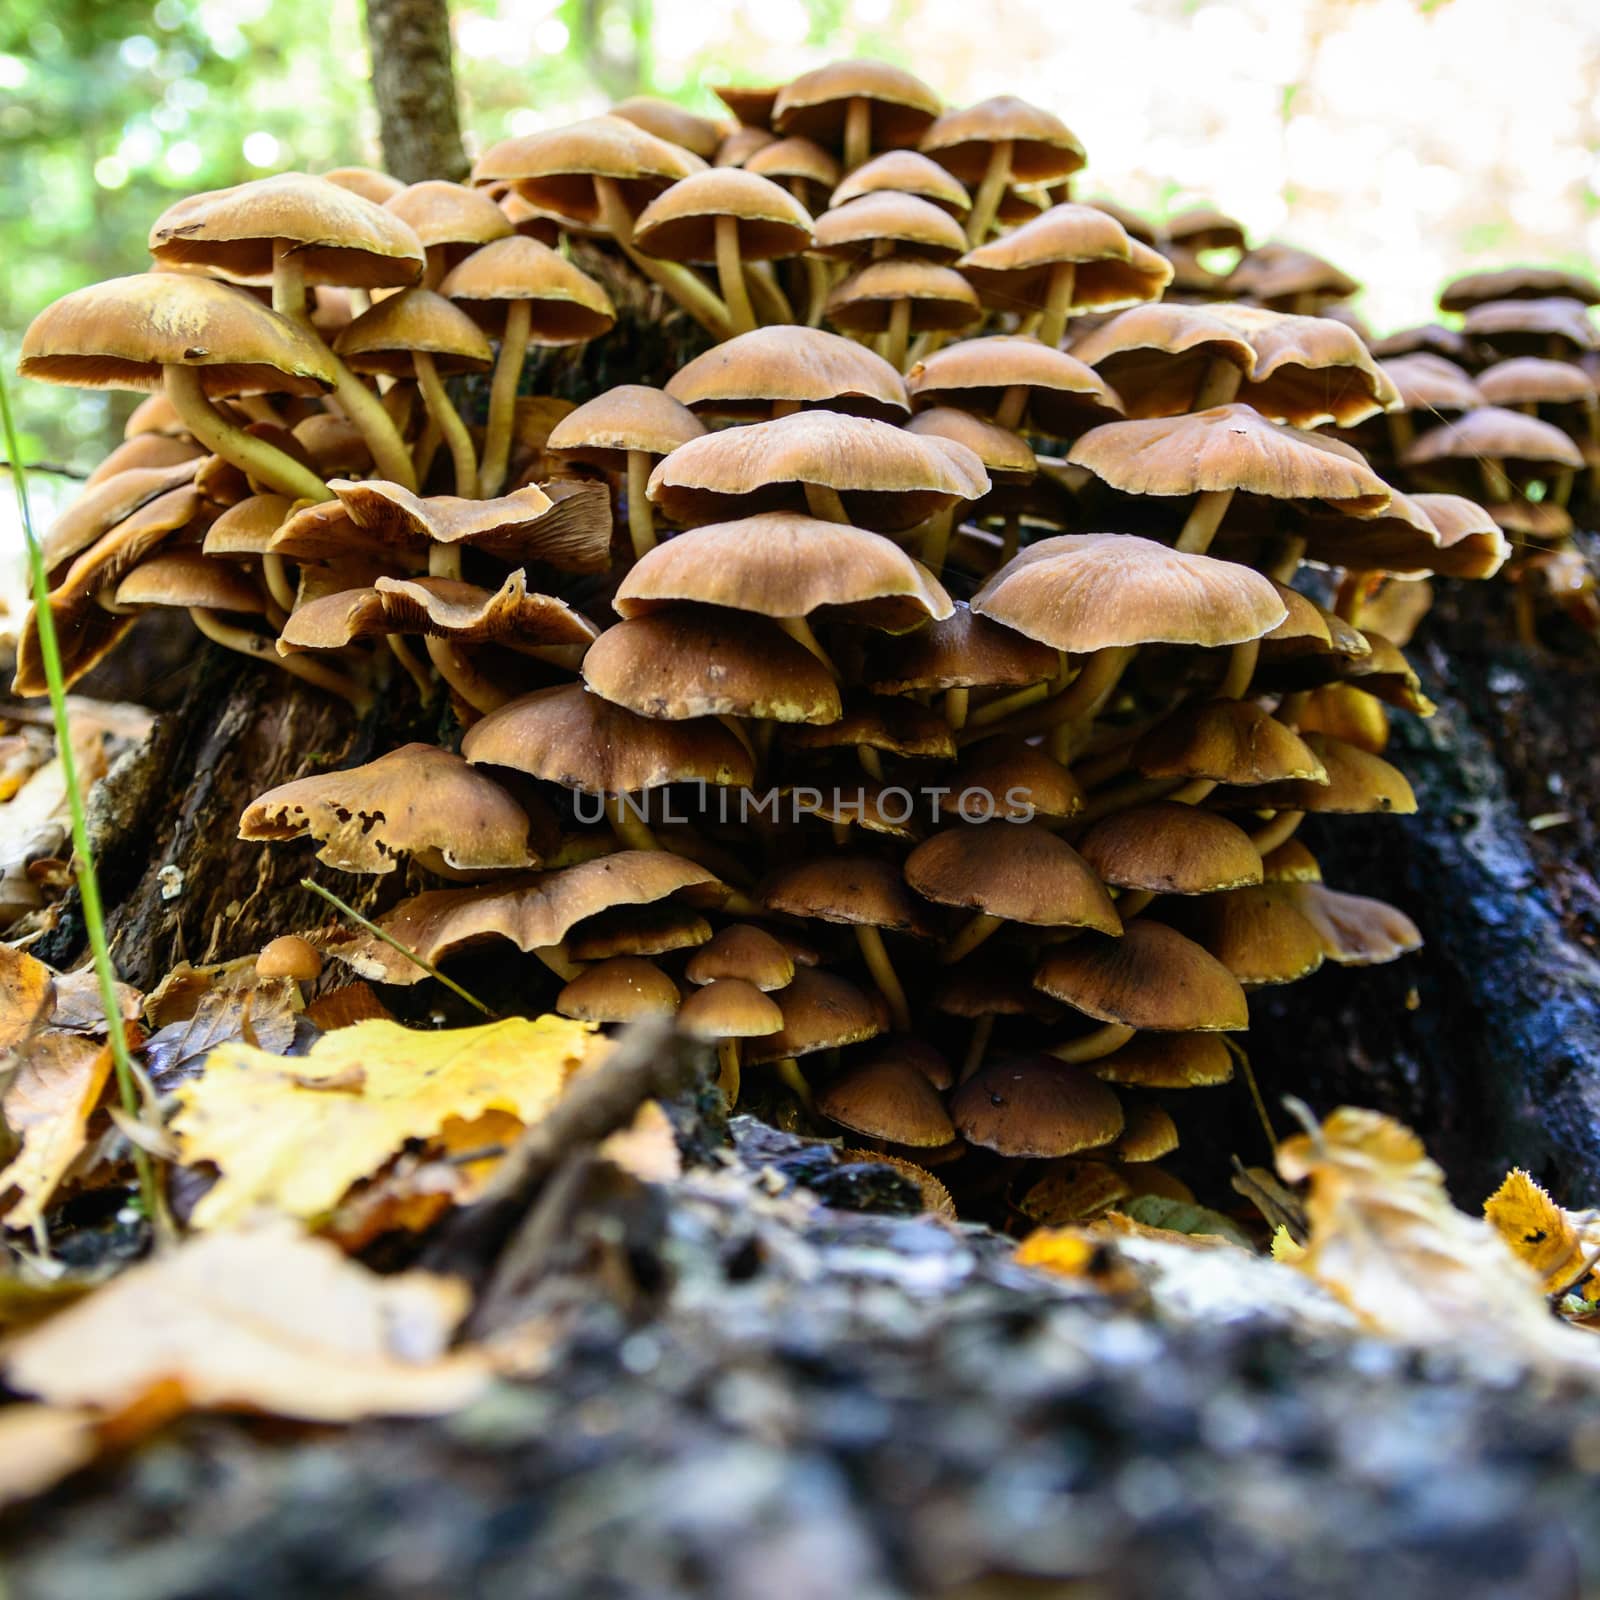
(347, 1005)
(263, 1320)
(264, 1016)
(647, 1147)
(35, 820)
(25, 995)
(282, 1141)
(48, 1103)
(1386, 1239)
(78, 1006)
(40, 1445)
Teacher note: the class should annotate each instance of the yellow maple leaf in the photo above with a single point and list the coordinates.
(48, 1103)
(293, 1133)
(262, 1320)
(1548, 1238)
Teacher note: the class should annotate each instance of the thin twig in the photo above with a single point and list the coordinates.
(394, 944)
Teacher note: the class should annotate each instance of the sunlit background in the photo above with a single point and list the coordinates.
(1406, 139)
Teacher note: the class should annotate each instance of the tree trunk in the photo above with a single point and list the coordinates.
(414, 85)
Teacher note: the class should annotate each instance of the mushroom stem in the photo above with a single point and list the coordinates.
(1058, 304)
(1205, 517)
(730, 275)
(1093, 1046)
(442, 409)
(879, 965)
(799, 630)
(1279, 831)
(898, 336)
(360, 404)
(1012, 405)
(767, 292)
(824, 503)
(1495, 483)
(1131, 902)
(444, 560)
(428, 442)
(1241, 668)
(794, 1079)
(465, 678)
(871, 762)
(256, 457)
(955, 707)
(728, 1070)
(986, 203)
(816, 291)
(1079, 706)
(632, 831)
(1193, 792)
(1219, 386)
(641, 519)
(503, 396)
(977, 1047)
(936, 533)
(1003, 706)
(970, 936)
(260, 648)
(679, 282)
(276, 572)
(407, 657)
(857, 133)
(555, 957)
(1011, 539)
(1402, 431)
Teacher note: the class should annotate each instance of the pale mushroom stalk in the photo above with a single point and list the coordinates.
(818, 284)
(825, 505)
(262, 461)
(442, 409)
(360, 404)
(1205, 517)
(898, 336)
(887, 979)
(1058, 304)
(503, 396)
(1279, 831)
(971, 934)
(679, 281)
(641, 519)
(259, 647)
(977, 1047)
(1219, 387)
(954, 707)
(857, 134)
(986, 203)
(1093, 1046)
(1011, 538)
(728, 1070)
(276, 572)
(871, 762)
(555, 957)
(1402, 431)
(1012, 405)
(407, 657)
(1242, 660)
(632, 831)
(936, 540)
(775, 305)
(730, 275)
(475, 689)
(1078, 707)
(1132, 902)
(799, 630)
(794, 1080)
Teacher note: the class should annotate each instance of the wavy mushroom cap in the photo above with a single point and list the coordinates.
(384, 338)
(1083, 592)
(632, 416)
(1518, 283)
(941, 300)
(1526, 327)
(1276, 271)
(681, 223)
(916, 227)
(1428, 382)
(1356, 930)
(815, 105)
(335, 234)
(1496, 434)
(1043, 148)
(671, 122)
(747, 375)
(1014, 272)
(1226, 741)
(778, 564)
(1064, 395)
(565, 306)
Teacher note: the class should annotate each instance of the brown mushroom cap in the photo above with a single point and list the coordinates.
(941, 299)
(1291, 862)
(1450, 343)
(779, 564)
(142, 452)
(1427, 382)
(1497, 434)
(532, 914)
(556, 168)
(384, 338)
(1006, 456)
(335, 234)
(1228, 447)
(442, 214)
(991, 985)
(185, 578)
(1148, 1134)
(881, 722)
(121, 333)
(680, 223)
(289, 956)
(670, 122)
(1418, 535)
(890, 1100)
(1226, 741)
(698, 661)
(743, 143)
(1168, 1061)
(1358, 782)
(417, 801)
(892, 478)
(856, 890)
(1518, 283)
(814, 105)
(1073, 1191)
(1469, 546)
(1018, 871)
(566, 306)
(568, 736)
(1257, 933)
(747, 375)
(729, 1008)
(1014, 271)
(916, 227)
(1356, 930)
(1526, 327)
(1152, 977)
(1535, 380)
(746, 953)
(1167, 848)
(960, 651)
(800, 160)
(629, 417)
(1276, 271)
(752, 104)
(1088, 591)
(638, 931)
(1064, 395)
(619, 990)
(1205, 228)
(1043, 148)
(1019, 780)
(1036, 1106)
(904, 172)
(820, 1012)
(367, 182)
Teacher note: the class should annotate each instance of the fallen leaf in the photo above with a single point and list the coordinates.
(26, 987)
(647, 1147)
(1558, 1245)
(1076, 1253)
(35, 820)
(1195, 1223)
(265, 1016)
(48, 1103)
(346, 1005)
(40, 1445)
(78, 1006)
(282, 1143)
(261, 1320)
(1386, 1239)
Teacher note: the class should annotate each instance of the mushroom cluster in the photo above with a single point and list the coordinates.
(912, 696)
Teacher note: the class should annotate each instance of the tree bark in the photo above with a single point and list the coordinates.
(413, 82)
